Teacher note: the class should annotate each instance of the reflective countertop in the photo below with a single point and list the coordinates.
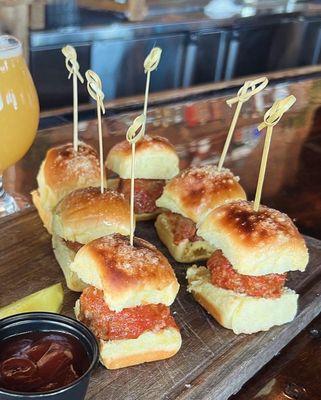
(197, 126)
(198, 129)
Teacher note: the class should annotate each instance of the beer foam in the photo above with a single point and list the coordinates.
(9, 47)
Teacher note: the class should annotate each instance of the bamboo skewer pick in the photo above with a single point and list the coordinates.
(271, 118)
(137, 130)
(72, 66)
(94, 88)
(249, 89)
(134, 133)
(150, 64)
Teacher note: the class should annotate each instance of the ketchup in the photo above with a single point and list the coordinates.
(41, 361)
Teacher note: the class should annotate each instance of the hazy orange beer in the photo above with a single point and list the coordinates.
(19, 105)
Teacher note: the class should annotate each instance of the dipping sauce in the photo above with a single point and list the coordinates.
(41, 361)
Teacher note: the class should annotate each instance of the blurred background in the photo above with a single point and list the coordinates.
(203, 41)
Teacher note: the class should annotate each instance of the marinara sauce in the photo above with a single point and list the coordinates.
(224, 276)
(147, 191)
(128, 323)
(74, 246)
(182, 228)
(41, 361)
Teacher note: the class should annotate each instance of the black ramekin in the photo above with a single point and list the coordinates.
(43, 321)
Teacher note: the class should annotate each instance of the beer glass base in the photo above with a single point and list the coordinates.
(12, 204)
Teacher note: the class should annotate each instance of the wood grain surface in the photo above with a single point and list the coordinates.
(213, 363)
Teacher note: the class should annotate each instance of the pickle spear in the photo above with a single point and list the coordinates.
(49, 299)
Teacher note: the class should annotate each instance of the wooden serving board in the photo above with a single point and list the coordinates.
(213, 363)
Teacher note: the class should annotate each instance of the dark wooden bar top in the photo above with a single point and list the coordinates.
(197, 123)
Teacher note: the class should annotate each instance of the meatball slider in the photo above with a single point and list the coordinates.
(156, 161)
(188, 198)
(82, 216)
(243, 285)
(62, 171)
(126, 304)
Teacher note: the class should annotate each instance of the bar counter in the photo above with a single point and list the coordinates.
(196, 122)
(199, 46)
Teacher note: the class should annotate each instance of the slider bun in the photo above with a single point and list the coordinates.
(87, 214)
(197, 190)
(155, 158)
(255, 243)
(147, 216)
(241, 313)
(45, 215)
(129, 276)
(185, 251)
(65, 256)
(149, 346)
(64, 170)
(113, 183)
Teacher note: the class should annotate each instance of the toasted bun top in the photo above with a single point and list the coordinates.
(197, 190)
(64, 170)
(87, 214)
(156, 158)
(128, 275)
(65, 167)
(255, 243)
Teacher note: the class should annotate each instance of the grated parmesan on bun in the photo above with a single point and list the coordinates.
(82, 216)
(255, 243)
(243, 286)
(62, 171)
(189, 197)
(197, 190)
(155, 158)
(128, 275)
(126, 304)
(156, 161)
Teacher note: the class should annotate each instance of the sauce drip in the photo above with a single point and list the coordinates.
(182, 228)
(128, 323)
(147, 191)
(223, 275)
(74, 246)
(41, 361)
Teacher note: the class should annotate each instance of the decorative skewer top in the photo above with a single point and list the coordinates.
(275, 113)
(152, 60)
(249, 89)
(271, 118)
(136, 132)
(71, 62)
(94, 88)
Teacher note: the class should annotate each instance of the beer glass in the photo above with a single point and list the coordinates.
(19, 112)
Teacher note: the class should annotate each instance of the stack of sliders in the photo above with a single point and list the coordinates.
(243, 286)
(82, 216)
(126, 304)
(62, 171)
(188, 198)
(156, 161)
